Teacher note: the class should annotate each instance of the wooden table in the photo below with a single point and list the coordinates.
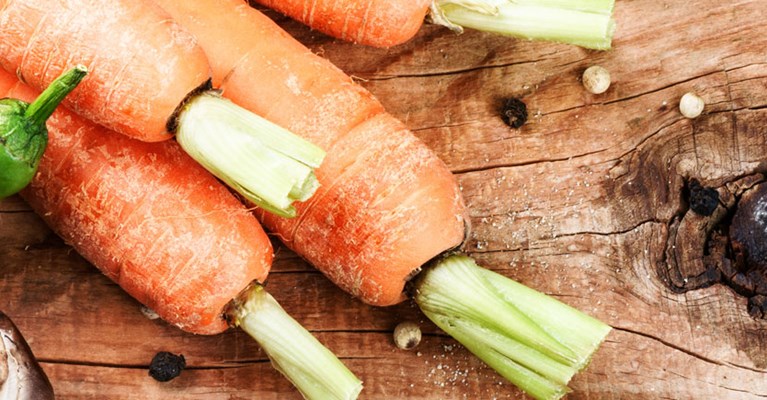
(587, 202)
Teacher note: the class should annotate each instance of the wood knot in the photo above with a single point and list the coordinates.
(722, 242)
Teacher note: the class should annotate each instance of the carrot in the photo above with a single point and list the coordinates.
(386, 23)
(376, 230)
(113, 198)
(293, 88)
(147, 80)
(386, 205)
(174, 238)
(143, 65)
(373, 22)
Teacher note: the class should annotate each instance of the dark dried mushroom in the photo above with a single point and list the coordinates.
(21, 377)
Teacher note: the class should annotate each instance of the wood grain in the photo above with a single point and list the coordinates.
(586, 202)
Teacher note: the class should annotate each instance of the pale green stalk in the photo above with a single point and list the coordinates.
(315, 371)
(586, 23)
(533, 340)
(267, 164)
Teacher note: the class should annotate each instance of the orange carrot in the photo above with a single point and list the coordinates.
(149, 217)
(385, 23)
(386, 203)
(380, 23)
(147, 76)
(142, 64)
(294, 88)
(174, 238)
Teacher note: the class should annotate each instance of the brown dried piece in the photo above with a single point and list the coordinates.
(21, 377)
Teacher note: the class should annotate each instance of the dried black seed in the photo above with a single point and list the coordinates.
(703, 200)
(166, 366)
(514, 112)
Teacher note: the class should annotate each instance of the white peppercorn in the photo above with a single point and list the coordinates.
(691, 105)
(407, 335)
(596, 79)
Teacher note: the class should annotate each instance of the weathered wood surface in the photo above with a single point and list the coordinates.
(586, 202)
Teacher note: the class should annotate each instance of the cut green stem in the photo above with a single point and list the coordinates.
(310, 366)
(23, 134)
(41, 109)
(267, 164)
(585, 23)
(533, 340)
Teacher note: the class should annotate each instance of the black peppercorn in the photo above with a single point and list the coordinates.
(166, 366)
(703, 200)
(514, 112)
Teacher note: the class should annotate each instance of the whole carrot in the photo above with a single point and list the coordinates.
(380, 23)
(174, 238)
(149, 80)
(377, 230)
(385, 23)
(387, 205)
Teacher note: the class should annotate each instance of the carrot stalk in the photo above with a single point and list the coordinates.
(585, 23)
(533, 340)
(267, 164)
(23, 134)
(298, 355)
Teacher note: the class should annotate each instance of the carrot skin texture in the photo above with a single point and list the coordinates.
(142, 63)
(149, 217)
(386, 203)
(378, 23)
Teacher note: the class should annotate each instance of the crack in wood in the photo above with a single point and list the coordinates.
(527, 163)
(459, 71)
(743, 391)
(676, 347)
(661, 88)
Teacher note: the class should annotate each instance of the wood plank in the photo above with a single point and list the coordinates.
(587, 202)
